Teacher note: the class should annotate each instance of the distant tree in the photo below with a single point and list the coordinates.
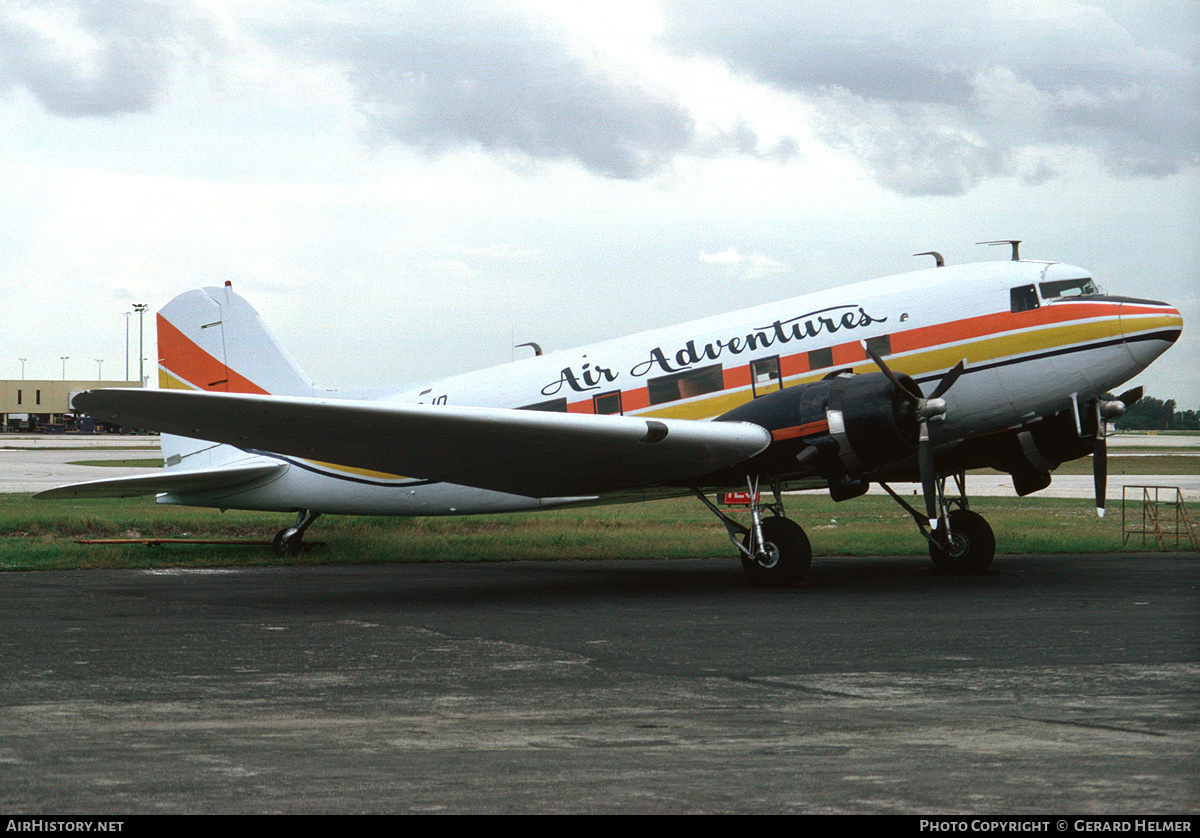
(1151, 414)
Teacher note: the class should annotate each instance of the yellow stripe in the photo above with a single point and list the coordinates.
(921, 363)
(702, 408)
(361, 472)
(1149, 322)
(1004, 346)
(167, 381)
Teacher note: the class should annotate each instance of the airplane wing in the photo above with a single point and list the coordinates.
(182, 481)
(524, 452)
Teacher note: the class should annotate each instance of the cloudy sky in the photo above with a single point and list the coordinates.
(407, 189)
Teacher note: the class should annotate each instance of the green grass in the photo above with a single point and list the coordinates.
(1147, 464)
(41, 534)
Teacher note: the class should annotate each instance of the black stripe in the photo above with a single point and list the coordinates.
(1168, 335)
(349, 479)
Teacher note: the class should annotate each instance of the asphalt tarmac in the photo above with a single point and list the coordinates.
(1052, 685)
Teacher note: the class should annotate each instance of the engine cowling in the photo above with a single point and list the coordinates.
(843, 428)
(1030, 453)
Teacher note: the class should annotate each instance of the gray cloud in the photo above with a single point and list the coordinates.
(932, 97)
(94, 57)
(497, 77)
(935, 97)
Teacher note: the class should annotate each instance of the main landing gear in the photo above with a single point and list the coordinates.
(960, 541)
(775, 551)
(289, 542)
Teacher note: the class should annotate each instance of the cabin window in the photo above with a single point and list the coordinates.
(819, 359)
(1024, 298)
(552, 406)
(764, 376)
(684, 385)
(1068, 288)
(607, 403)
(881, 345)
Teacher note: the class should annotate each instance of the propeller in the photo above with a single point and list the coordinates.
(1105, 411)
(926, 408)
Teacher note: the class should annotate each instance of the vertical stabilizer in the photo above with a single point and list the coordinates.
(212, 339)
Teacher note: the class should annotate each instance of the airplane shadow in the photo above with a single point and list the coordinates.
(562, 583)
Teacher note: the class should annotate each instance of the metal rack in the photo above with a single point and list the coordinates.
(1163, 518)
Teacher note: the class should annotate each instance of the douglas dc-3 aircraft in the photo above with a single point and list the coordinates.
(917, 377)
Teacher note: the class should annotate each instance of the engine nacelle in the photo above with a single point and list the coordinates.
(1029, 454)
(843, 428)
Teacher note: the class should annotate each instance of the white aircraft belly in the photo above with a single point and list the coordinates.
(300, 488)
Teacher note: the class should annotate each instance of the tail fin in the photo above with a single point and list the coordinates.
(212, 339)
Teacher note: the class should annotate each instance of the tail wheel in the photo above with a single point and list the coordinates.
(786, 555)
(970, 547)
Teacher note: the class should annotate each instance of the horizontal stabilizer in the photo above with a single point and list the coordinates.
(523, 452)
(174, 481)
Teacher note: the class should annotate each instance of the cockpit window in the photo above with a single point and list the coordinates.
(1024, 298)
(1068, 288)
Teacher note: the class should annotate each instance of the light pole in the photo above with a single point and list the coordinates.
(140, 308)
(22, 360)
(64, 360)
(99, 369)
(127, 344)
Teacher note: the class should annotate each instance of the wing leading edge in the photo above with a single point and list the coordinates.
(515, 451)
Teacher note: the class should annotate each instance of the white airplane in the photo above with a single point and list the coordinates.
(916, 377)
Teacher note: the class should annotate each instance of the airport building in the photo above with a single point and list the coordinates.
(33, 404)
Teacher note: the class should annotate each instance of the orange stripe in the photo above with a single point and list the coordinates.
(180, 356)
(988, 324)
(924, 339)
(797, 431)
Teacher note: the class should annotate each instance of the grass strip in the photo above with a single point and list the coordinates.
(40, 535)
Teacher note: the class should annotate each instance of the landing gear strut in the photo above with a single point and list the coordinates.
(960, 541)
(288, 542)
(774, 551)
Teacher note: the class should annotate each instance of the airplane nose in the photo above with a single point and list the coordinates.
(1149, 329)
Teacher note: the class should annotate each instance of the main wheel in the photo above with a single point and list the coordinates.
(287, 543)
(971, 546)
(787, 555)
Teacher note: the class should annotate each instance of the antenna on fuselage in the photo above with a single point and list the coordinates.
(937, 257)
(1016, 243)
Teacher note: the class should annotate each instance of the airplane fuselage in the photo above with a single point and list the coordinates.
(1019, 363)
(1035, 337)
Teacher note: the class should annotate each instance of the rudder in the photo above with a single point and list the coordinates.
(212, 339)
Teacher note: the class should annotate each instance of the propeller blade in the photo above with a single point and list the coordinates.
(927, 408)
(928, 471)
(1100, 472)
(907, 388)
(948, 380)
(1129, 397)
(1100, 461)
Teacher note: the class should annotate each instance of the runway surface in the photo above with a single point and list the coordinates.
(1055, 684)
